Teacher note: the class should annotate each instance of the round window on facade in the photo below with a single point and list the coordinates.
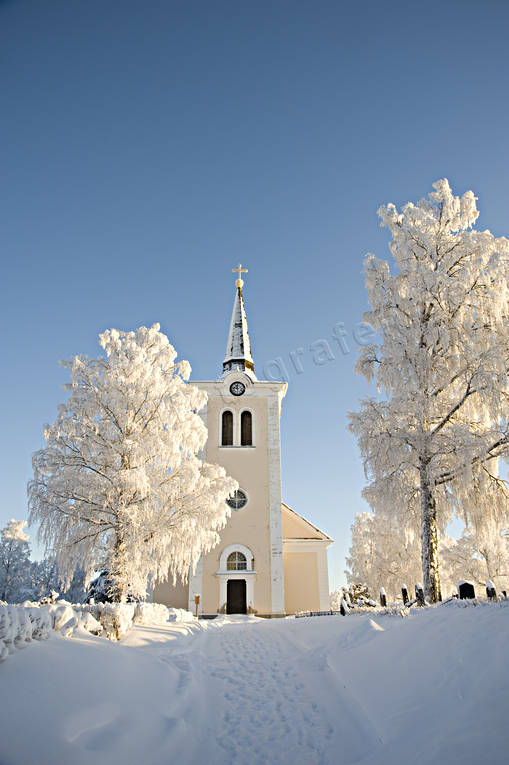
(237, 500)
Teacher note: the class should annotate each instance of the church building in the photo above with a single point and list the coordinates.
(270, 560)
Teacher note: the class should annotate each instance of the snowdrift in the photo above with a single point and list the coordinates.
(374, 689)
(20, 624)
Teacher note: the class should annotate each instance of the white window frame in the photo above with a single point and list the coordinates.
(239, 509)
(237, 427)
(223, 410)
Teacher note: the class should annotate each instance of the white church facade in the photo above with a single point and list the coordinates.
(270, 560)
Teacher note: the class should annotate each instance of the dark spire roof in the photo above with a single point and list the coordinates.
(238, 348)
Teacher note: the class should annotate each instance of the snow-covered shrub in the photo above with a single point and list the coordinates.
(356, 595)
(116, 619)
(20, 625)
(60, 614)
(8, 630)
(379, 610)
(68, 629)
(150, 613)
(41, 622)
(180, 615)
(88, 623)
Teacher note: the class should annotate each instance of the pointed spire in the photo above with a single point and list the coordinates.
(238, 348)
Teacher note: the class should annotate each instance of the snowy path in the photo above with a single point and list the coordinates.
(272, 705)
(429, 689)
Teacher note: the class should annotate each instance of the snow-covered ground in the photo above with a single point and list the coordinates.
(430, 688)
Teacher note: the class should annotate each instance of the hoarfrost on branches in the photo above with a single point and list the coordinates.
(14, 531)
(384, 552)
(431, 442)
(14, 562)
(481, 555)
(119, 483)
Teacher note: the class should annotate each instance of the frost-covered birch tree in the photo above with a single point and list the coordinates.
(431, 441)
(119, 483)
(14, 562)
(480, 554)
(385, 552)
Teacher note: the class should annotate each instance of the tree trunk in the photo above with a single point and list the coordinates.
(118, 572)
(429, 538)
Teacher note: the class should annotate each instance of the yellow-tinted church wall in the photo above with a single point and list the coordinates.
(176, 596)
(250, 525)
(301, 582)
(295, 528)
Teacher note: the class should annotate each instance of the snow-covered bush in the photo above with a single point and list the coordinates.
(157, 613)
(180, 615)
(20, 625)
(151, 613)
(61, 613)
(116, 619)
(355, 595)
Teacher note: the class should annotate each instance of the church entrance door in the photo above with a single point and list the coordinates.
(236, 596)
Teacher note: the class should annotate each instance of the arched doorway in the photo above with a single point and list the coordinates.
(236, 575)
(236, 596)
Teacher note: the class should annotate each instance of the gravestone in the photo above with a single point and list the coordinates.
(404, 593)
(419, 594)
(490, 590)
(383, 597)
(466, 590)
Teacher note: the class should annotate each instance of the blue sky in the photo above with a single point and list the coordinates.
(147, 147)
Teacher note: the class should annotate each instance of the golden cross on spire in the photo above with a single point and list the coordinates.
(239, 270)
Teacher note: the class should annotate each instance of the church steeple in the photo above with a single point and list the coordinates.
(238, 348)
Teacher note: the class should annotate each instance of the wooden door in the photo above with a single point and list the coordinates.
(236, 596)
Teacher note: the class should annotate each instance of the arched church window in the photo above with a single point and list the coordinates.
(236, 561)
(227, 429)
(246, 429)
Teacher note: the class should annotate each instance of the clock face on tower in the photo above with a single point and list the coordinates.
(237, 388)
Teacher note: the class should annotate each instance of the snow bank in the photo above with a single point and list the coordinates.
(430, 688)
(118, 618)
(20, 624)
(180, 615)
(151, 614)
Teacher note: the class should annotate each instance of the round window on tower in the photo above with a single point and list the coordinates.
(238, 500)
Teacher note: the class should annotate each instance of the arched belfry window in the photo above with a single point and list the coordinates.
(246, 429)
(227, 428)
(236, 561)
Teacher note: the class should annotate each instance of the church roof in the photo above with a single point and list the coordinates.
(295, 526)
(238, 348)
